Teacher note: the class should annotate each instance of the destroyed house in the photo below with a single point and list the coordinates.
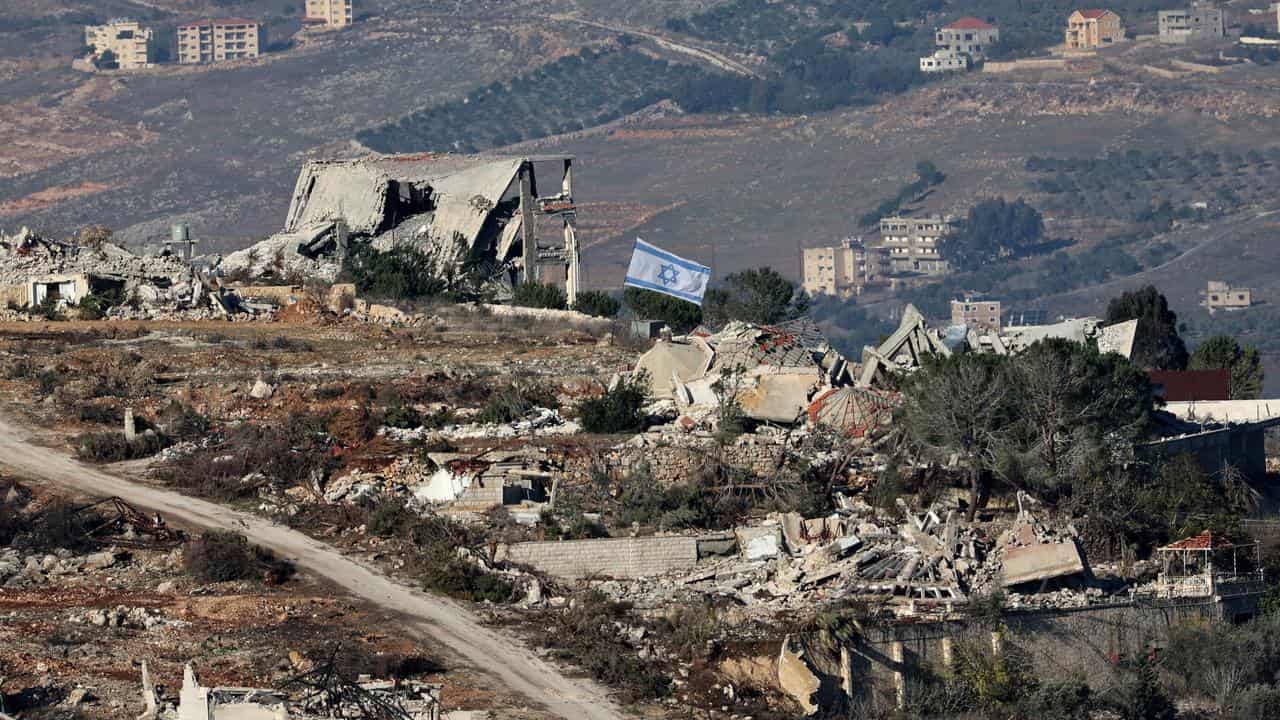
(453, 208)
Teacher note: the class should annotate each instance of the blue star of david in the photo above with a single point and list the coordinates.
(668, 275)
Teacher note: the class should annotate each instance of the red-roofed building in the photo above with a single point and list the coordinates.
(1093, 28)
(960, 44)
(1191, 385)
(209, 41)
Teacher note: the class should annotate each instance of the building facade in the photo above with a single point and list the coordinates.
(1195, 23)
(976, 314)
(132, 45)
(1221, 296)
(1088, 29)
(217, 40)
(331, 13)
(841, 271)
(960, 44)
(911, 244)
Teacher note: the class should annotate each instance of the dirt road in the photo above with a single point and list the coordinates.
(438, 620)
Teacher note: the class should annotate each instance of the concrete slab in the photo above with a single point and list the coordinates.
(1043, 561)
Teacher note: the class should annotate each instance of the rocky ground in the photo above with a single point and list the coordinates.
(76, 624)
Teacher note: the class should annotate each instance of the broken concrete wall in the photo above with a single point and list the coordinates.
(628, 558)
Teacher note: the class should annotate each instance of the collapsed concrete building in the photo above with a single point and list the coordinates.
(322, 695)
(456, 209)
(36, 270)
(914, 340)
(774, 373)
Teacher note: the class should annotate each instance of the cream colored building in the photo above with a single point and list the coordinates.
(216, 40)
(841, 271)
(1087, 29)
(911, 244)
(132, 45)
(1221, 296)
(332, 13)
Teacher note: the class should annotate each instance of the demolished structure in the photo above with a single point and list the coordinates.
(914, 340)
(38, 272)
(322, 694)
(773, 373)
(456, 209)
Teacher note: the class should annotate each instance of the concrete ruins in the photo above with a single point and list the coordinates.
(773, 373)
(321, 695)
(914, 340)
(454, 208)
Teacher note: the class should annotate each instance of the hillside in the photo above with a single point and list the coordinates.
(1099, 150)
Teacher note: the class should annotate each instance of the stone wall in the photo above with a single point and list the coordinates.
(627, 558)
(883, 664)
(676, 457)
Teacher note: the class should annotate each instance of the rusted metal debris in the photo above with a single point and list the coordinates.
(148, 531)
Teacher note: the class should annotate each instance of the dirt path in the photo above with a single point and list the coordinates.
(438, 620)
(711, 57)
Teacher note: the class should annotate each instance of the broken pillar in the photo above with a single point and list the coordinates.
(796, 678)
(130, 427)
(898, 654)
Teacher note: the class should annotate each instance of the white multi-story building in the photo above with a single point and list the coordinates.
(960, 44)
(132, 45)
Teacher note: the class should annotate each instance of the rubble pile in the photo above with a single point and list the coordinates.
(36, 269)
(929, 563)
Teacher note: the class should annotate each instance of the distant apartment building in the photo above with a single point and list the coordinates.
(1088, 29)
(1221, 296)
(132, 45)
(910, 245)
(841, 271)
(960, 44)
(331, 13)
(1200, 22)
(977, 314)
(217, 40)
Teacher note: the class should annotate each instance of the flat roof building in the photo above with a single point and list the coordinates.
(132, 45)
(976, 314)
(330, 13)
(210, 41)
(1221, 296)
(960, 44)
(841, 271)
(1195, 23)
(911, 244)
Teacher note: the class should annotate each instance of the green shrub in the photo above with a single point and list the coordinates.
(599, 304)
(619, 409)
(222, 556)
(586, 636)
(1254, 703)
(99, 414)
(94, 305)
(513, 402)
(183, 422)
(389, 519)
(537, 295)
(461, 579)
(1141, 696)
(110, 446)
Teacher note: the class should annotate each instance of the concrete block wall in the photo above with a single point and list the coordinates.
(625, 558)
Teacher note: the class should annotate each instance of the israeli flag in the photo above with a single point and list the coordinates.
(660, 271)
